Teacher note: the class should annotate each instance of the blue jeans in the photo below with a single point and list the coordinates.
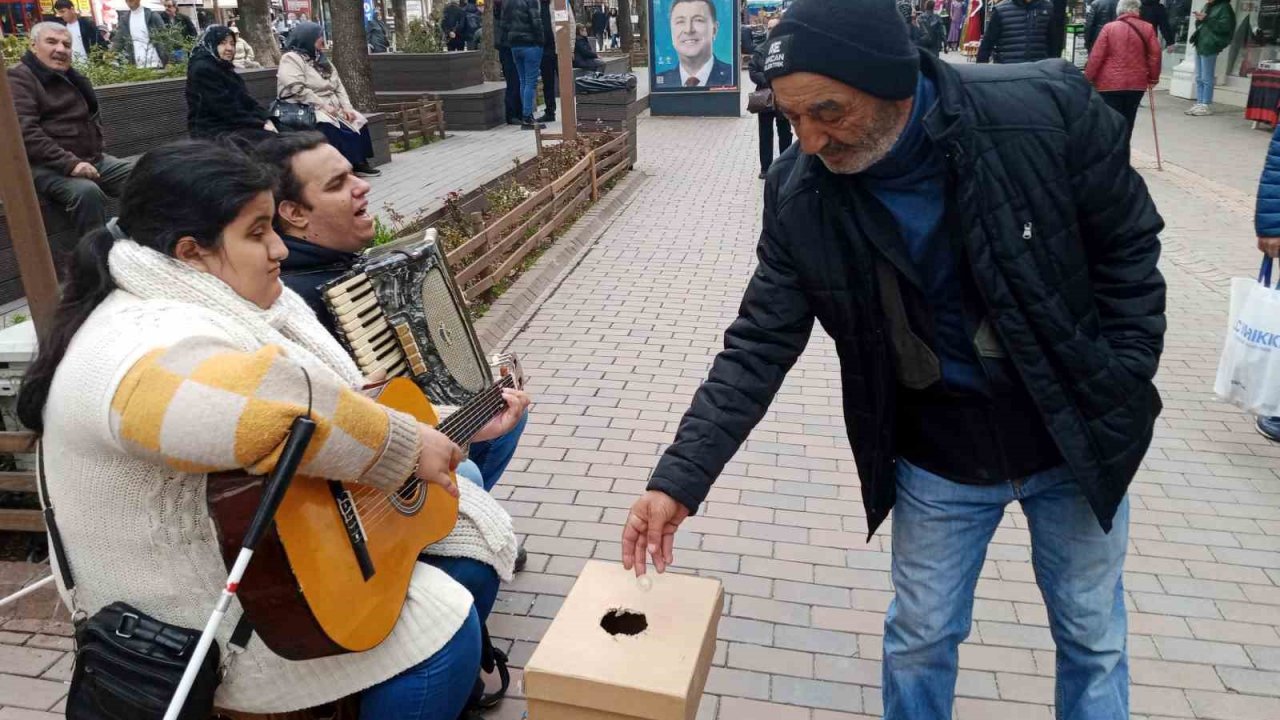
(491, 457)
(528, 67)
(940, 534)
(434, 689)
(1206, 69)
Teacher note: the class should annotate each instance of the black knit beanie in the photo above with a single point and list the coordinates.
(862, 43)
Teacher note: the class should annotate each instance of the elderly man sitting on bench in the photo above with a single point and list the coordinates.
(58, 113)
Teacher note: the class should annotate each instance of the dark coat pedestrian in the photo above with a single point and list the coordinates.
(1154, 12)
(1021, 31)
(1100, 13)
(767, 120)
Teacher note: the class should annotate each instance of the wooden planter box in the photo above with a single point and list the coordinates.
(484, 258)
(423, 72)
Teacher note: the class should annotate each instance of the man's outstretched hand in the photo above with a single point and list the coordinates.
(651, 528)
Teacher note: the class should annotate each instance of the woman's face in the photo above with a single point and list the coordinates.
(249, 256)
(227, 48)
(320, 44)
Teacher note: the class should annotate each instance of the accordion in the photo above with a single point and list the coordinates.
(399, 311)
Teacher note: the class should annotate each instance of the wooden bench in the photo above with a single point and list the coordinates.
(19, 481)
(416, 120)
(476, 107)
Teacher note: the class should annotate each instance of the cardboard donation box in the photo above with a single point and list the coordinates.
(619, 651)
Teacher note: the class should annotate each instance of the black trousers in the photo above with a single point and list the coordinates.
(1125, 102)
(456, 44)
(550, 75)
(514, 106)
(768, 120)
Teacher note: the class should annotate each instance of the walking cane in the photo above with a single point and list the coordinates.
(1151, 101)
(299, 436)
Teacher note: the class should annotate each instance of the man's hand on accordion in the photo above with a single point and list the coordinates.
(438, 457)
(518, 403)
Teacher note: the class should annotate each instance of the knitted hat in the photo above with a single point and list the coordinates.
(862, 43)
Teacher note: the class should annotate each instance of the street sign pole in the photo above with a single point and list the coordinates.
(22, 213)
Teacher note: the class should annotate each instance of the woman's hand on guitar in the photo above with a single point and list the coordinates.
(518, 403)
(438, 458)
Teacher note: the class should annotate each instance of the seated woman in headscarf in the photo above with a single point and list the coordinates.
(306, 76)
(218, 103)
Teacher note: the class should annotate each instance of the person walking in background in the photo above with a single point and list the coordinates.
(599, 26)
(1019, 31)
(453, 25)
(1099, 14)
(1266, 220)
(172, 17)
(1125, 62)
(218, 103)
(307, 76)
(375, 33)
(1158, 15)
(959, 8)
(771, 118)
(614, 38)
(927, 31)
(943, 9)
(522, 26)
(511, 98)
(473, 24)
(1216, 23)
(550, 64)
(58, 114)
(132, 39)
(84, 34)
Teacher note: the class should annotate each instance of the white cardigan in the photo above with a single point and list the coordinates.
(140, 533)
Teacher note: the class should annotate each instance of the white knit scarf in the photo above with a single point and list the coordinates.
(289, 323)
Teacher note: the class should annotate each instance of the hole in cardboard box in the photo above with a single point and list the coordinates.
(624, 622)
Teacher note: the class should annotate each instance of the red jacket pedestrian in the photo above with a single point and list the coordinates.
(1126, 56)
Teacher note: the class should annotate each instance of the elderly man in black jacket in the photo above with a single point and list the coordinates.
(977, 245)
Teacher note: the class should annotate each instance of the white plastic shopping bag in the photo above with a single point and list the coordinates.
(1249, 370)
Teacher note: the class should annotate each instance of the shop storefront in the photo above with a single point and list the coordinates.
(1254, 44)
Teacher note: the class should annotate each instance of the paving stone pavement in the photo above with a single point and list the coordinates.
(616, 352)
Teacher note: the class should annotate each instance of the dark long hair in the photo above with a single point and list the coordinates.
(185, 189)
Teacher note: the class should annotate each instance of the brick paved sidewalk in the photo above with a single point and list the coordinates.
(615, 354)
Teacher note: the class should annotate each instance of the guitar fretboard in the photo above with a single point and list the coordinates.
(479, 410)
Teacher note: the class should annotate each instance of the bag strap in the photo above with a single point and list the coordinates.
(51, 524)
(1264, 274)
(1145, 44)
(240, 636)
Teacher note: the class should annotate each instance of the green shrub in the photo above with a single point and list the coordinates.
(12, 47)
(423, 36)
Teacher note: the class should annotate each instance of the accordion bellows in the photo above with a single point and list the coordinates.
(400, 311)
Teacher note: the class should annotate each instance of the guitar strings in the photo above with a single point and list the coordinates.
(462, 424)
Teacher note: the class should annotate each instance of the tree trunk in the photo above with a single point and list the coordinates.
(400, 13)
(255, 23)
(643, 30)
(489, 53)
(351, 53)
(624, 24)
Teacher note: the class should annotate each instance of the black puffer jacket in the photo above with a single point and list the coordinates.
(1060, 236)
(1100, 13)
(1020, 31)
(522, 23)
(1158, 15)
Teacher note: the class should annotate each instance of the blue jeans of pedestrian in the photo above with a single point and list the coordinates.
(434, 689)
(940, 534)
(528, 66)
(1206, 71)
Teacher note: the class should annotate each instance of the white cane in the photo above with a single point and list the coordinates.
(277, 483)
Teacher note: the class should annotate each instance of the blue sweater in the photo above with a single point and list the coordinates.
(911, 182)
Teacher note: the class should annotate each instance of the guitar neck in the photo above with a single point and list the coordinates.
(463, 424)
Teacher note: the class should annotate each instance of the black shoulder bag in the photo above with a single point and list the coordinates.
(128, 664)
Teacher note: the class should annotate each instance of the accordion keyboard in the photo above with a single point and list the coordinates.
(375, 343)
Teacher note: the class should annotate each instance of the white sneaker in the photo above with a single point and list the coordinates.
(1201, 111)
(1191, 110)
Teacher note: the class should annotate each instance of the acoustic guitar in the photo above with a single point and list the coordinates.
(332, 574)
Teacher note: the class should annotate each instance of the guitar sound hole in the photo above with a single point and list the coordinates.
(410, 498)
